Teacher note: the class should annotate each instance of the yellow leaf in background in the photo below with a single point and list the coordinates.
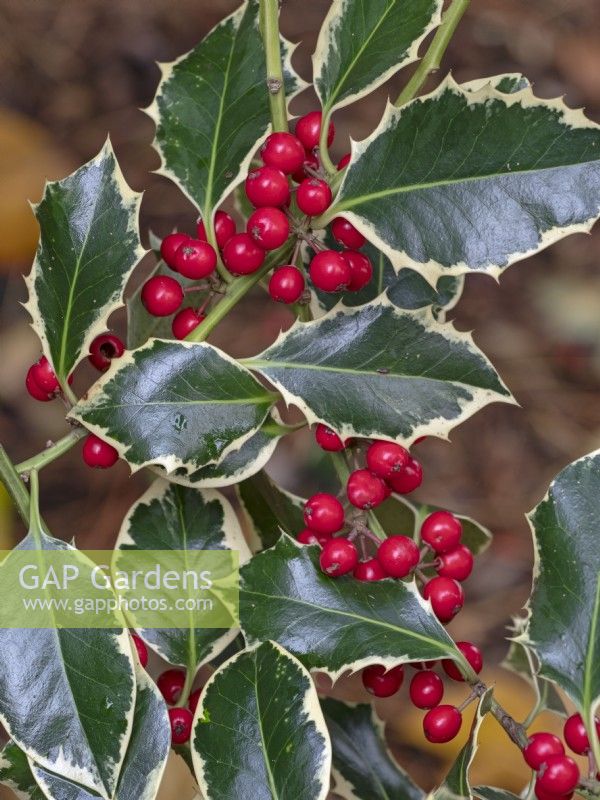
(7, 533)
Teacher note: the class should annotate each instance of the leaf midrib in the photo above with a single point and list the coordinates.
(588, 693)
(267, 764)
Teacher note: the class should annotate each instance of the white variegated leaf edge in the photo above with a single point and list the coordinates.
(440, 427)
(311, 707)
(431, 270)
(326, 38)
(233, 539)
(166, 71)
(170, 462)
(255, 542)
(494, 81)
(118, 301)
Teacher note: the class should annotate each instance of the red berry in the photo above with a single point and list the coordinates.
(543, 795)
(558, 775)
(311, 537)
(170, 245)
(576, 735)
(446, 597)
(162, 295)
(170, 683)
(365, 490)
(473, 655)
(286, 284)
(329, 271)
(323, 513)
(185, 321)
(224, 229)
(328, 439)
(345, 233)
(426, 689)
(398, 555)
(103, 349)
(269, 227)
(43, 374)
(34, 390)
(195, 259)
(283, 151)
(441, 531)
(266, 186)
(457, 563)
(338, 557)
(181, 724)
(308, 130)
(442, 724)
(380, 682)
(408, 478)
(194, 699)
(360, 268)
(386, 458)
(310, 160)
(98, 453)
(241, 254)
(541, 746)
(370, 570)
(313, 196)
(142, 650)
(344, 161)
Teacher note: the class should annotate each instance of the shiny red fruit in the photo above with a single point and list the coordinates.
(162, 295)
(323, 513)
(98, 453)
(312, 537)
(308, 130)
(103, 349)
(185, 321)
(142, 650)
(344, 161)
(170, 683)
(193, 700)
(269, 227)
(473, 655)
(346, 234)
(426, 689)
(441, 530)
(576, 735)
(446, 597)
(242, 255)
(329, 271)
(170, 245)
(408, 478)
(313, 196)
(224, 229)
(398, 555)
(34, 390)
(543, 795)
(386, 458)
(380, 682)
(338, 557)
(541, 746)
(365, 490)
(370, 570)
(442, 724)
(283, 151)
(286, 284)
(266, 186)
(360, 267)
(558, 775)
(457, 563)
(44, 375)
(195, 259)
(328, 439)
(311, 161)
(181, 724)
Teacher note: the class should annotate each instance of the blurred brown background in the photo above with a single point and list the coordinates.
(73, 70)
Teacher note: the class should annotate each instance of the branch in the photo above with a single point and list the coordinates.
(52, 452)
(14, 485)
(269, 26)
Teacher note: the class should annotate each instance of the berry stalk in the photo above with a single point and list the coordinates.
(51, 453)
(343, 470)
(269, 26)
(14, 485)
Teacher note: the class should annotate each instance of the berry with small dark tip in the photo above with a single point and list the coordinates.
(365, 490)
(162, 295)
(34, 390)
(329, 271)
(170, 245)
(181, 724)
(398, 555)
(323, 513)
(408, 478)
(269, 227)
(286, 284)
(338, 557)
(382, 682)
(441, 530)
(242, 255)
(442, 724)
(98, 453)
(266, 186)
(195, 259)
(426, 689)
(103, 349)
(44, 375)
(386, 458)
(313, 196)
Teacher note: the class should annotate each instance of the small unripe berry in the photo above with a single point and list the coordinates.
(442, 724)
(181, 724)
(242, 255)
(329, 271)
(398, 555)
(370, 570)
(269, 227)
(266, 186)
(286, 284)
(313, 196)
(103, 349)
(162, 295)
(338, 557)
(365, 490)
(576, 735)
(446, 597)
(408, 478)
(312, 537)
(44, 376)
(360, 267)
(308, 130)
(473, 655)
(380, 682)
(328, 439)
(170, 683)
(195, 259)
(224, 229)
(283, 151)
(541, 746)
(98, 453)
(323, 513)
(142, 650)
(441, 531)
(170, 245)
(346, 234)
(558, 775)
(457, 563)
(185, 321)
(386, 458)
(426, 689)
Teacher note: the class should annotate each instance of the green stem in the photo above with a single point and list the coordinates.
(324, 156)
(433, 57)
(342, 467)
(35, 521)
(209, 227)
(269, 26)
(14, 485)
(51, 453)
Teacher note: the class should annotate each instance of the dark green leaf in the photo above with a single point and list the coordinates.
(175, 404)
(270, 509)
(492, 793)
(363, 767)
(339, 624)
(89, 245)
(378, 372)
(15, 773)
(259, 731)
(478, 181)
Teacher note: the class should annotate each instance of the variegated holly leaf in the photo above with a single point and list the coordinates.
(212, 108)
(478, 180)
(145, 759)
(378, 372)
(89, 246)
(15, 773)
(563, 628)
(493, 793)
(508, 82)
(172, 517)
(269, 509)
(82, 728)
(456, 785)
(363, 767)
(259, 730)
(175, 404)
(362, 44)
(335, 625)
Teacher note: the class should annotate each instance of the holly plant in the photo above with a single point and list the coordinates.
(368, 255)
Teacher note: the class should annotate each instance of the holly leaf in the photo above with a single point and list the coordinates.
(211, 108)
(363, 767)
(508, 82)
(259, 730)
(481, 179)
(563, 628)
(89, 246)
(82, 728)
(362, 44)
(175, 404)
(146, 755)
(456, 785)
(492, 793)
(269, 509)
(335, 625)
(172, 517)
(425, 380)
(16, 774)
